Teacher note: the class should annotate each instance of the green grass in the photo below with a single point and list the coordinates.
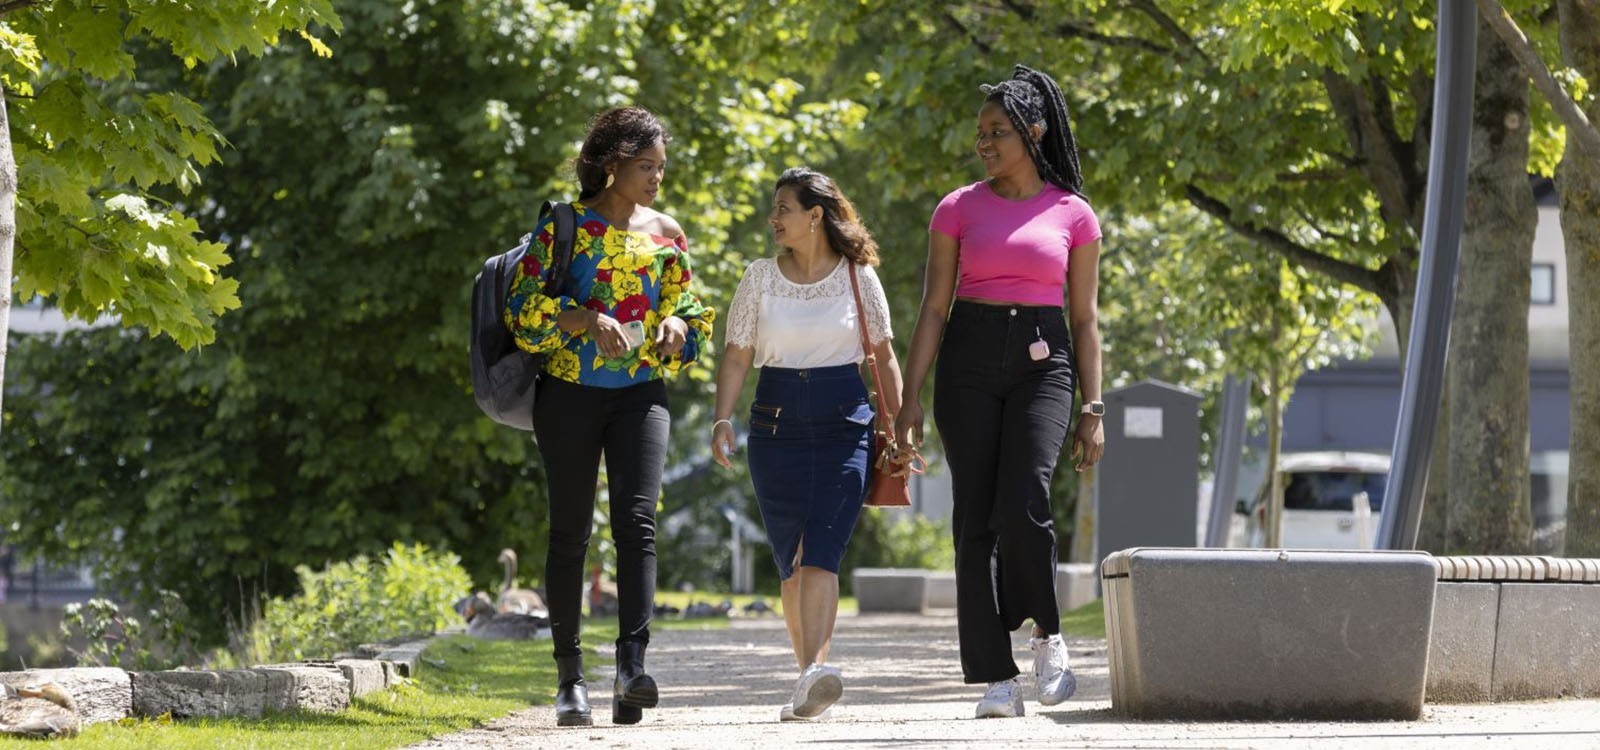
(1088, 621)
(478, 681)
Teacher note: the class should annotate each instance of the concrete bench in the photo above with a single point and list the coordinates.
(890, 589)
(1515, 628)
(941, 590)
(1075, 585)
(919, 590)
(1268, 634)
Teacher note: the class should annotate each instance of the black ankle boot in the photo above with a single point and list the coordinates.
(633, 690)
(572, 693)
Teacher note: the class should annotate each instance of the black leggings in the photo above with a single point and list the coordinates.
(1003, 417)
(574, 424)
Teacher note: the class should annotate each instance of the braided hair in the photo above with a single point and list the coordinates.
(1029, 98)
(615, 135)
(846, 233)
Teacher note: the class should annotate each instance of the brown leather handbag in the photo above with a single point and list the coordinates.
(889, 480)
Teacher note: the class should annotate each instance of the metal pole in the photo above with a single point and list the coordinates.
(1436, 279)
(1230, 443)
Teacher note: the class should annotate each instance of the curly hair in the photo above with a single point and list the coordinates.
(615, 135)
(1030, 98)
(845, 231)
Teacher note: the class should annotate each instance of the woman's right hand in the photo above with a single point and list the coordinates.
(722, 443)
(607, 335)
(908, 424)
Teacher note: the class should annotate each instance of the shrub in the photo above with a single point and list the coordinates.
(898, 539)
(117, 639)
(410, 590)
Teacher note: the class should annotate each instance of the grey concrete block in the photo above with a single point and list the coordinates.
(940, 590)
(1461, 649)
(1547, 644)
(364, 675)
(101, 693)
(890, 589)
(1075, 585)
(313, 688)
(239, 692)
(1241, 633)
(405, 656)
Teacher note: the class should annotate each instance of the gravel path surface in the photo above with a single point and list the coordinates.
(721, 690)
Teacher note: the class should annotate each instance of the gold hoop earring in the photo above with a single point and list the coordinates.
(610, 178)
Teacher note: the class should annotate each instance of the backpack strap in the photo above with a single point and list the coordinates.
(561, 253)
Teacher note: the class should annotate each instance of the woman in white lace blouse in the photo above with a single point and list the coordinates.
(795, 317)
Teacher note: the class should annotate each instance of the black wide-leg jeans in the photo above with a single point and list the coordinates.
(574, 425)
(1003, 417)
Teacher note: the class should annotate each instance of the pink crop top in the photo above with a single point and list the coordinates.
(1015, 251)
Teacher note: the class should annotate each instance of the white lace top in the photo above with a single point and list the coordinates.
(805, 325)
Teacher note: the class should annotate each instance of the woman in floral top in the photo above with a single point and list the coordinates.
(604, 393)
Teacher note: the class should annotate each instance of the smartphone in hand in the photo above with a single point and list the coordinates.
(633, 333)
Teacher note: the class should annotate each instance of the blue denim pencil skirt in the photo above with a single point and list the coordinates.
(810, 439)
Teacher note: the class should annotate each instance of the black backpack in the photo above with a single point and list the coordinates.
(504, 376)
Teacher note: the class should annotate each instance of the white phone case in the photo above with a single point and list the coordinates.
(633, 333)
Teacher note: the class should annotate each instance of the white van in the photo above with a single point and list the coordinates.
(1321, 508)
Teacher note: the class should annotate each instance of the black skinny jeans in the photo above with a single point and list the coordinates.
(574, 424)
(1003, 417)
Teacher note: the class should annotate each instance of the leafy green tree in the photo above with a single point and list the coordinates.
(1228, 148)
(85, 144)
(1302, 127)
(332, 414)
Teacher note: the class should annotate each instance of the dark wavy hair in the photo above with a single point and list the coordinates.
(846, 233)
(1030, 98)
(615, 135)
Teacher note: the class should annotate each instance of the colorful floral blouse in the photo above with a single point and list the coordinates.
(628, 275)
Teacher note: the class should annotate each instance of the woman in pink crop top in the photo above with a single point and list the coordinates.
(1007, 250)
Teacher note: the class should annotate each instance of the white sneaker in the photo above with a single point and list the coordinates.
(819, 686)
(1051, 675)
(787, 714)
(1003, 701)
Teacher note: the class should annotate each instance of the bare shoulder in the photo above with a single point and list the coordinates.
(658, 223)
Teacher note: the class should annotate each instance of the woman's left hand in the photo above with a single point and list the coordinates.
(671, 335)
(1089, 444)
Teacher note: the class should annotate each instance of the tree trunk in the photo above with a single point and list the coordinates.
(8, 238)
(1273, 535)
(1578, 183)
(1490, 511)
(1436, 496)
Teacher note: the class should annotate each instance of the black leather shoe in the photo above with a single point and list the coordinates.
(572, 693)
(633, 690)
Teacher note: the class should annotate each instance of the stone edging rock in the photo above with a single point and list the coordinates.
(111, 694)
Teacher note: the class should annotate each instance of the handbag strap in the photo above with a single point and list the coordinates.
(885, 419)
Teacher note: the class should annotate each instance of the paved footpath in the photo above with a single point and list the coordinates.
(721, 689)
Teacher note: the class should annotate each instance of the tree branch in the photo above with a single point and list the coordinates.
(1280, 243)
(1311, 221)
(1528, 59)
(954, 23)
(1184, 40)
(15, 5)
(1378, 147)
(1085, 30)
